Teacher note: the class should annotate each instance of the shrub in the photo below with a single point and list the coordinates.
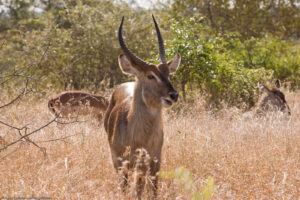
(219, 75)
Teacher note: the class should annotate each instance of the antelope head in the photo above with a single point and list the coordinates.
(153, 80)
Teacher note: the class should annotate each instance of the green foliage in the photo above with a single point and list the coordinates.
(77, 46)
(206, 63)
(268, 53)
(15, 13)
(182, 178)
(74, 45)
(254, 18)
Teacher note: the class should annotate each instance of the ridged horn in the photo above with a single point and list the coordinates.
(162, 53)
(127, 52)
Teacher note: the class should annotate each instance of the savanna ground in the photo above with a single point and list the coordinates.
(223, 156)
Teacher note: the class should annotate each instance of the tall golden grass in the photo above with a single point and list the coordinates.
(246, 159)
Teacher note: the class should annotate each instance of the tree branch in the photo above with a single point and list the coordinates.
(28, 134)
(18, 97)
(59, 139)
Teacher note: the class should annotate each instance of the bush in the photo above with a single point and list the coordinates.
(76, 45)
(268, 53)
(217, 73)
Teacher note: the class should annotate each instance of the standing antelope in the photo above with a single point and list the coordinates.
(133, 119)
(79, 103)
(272, 100)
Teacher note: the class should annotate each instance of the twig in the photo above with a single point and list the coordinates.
(25, 136)
(42, 149)
(58, 139)
(11, 126)
(28, 134)
(15, 99)
(16, 149)
(15, 73)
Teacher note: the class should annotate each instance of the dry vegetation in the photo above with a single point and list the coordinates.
(247, 159)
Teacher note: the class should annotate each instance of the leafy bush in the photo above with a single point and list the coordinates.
(76, 45)
(268, 53)
(219, 75)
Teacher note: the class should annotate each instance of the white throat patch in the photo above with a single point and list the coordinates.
(130, 88)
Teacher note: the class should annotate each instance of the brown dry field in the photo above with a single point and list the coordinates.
(247, 159)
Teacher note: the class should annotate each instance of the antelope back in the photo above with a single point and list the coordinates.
(77, 102)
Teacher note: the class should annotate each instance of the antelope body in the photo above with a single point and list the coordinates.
(74, 103)
(271, 100)
(133, 119)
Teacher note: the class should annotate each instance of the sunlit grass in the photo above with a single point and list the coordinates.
(242, 159)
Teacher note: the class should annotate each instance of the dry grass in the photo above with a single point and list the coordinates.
(248, 159)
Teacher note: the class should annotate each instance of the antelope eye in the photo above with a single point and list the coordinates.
(150, 76)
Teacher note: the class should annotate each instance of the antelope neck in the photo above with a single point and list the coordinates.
(140, 108)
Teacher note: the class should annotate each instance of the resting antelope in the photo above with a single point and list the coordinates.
(133, 119)
(76, 103)
(272, 100)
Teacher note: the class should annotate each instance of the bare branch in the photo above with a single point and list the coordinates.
(16, 98)
(59, 139)
(28, 134)
(17, 73)
(10, 153)
(43, 149)
(11, 126)
(25, 136)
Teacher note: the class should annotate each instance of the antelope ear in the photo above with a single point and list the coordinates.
(174, 63)
(126, 65)
(277, 83)
(262, 88)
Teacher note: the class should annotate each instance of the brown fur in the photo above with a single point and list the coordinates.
(70, 103)
(133, 119)
(272, 100)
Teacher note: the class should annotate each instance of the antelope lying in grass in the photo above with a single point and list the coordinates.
(272, 100)
(133, 119)
(74, 103)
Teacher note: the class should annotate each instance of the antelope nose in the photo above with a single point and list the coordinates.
(174, 96)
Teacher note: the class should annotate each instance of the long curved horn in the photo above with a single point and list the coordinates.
(162, 53)
(127, 52)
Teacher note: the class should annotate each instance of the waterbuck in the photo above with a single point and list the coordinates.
(272, 99)
(74, 103)
(133, 119)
